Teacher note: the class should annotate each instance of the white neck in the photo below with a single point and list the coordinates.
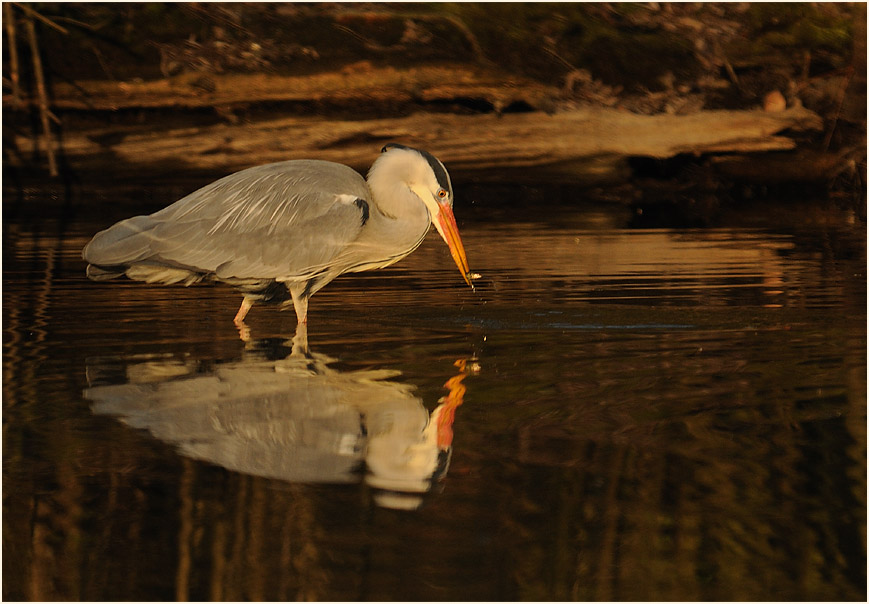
(390, 180)
(399, 218)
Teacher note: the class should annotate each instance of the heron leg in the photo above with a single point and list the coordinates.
(246, 305)
(300, 302)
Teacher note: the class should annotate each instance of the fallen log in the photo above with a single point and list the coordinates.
(356, 85)
(584, 146)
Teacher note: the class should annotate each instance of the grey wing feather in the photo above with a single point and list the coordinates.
(278, 220)
(121, 243)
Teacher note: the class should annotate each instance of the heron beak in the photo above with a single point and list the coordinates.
(445, 223)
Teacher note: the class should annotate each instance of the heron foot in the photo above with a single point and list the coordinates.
(243, 331)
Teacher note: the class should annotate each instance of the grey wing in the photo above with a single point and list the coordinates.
(281, 220)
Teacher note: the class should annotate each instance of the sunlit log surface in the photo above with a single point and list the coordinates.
(360, 84)
(587, 145)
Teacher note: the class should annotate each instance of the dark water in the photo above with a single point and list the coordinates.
(643, 414)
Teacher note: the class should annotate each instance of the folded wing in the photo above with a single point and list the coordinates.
(278, 221)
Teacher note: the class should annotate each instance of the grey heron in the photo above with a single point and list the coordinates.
(282, 231)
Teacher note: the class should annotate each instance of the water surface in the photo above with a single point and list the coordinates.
(629, 414)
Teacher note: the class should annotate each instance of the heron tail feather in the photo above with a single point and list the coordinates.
(128, 248)
(122, 244)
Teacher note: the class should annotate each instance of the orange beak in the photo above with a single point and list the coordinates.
(445, 223)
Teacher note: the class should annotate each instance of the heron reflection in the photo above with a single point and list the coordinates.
(283, 412)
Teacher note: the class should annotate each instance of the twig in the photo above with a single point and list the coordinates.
(44, 113)
(470, 37)
(551, 50)
(842, 91)
(14, 73)
(456, 22)
(807, 64)
(32, 13)
(102, 63)
(365, 41)
(731, 73)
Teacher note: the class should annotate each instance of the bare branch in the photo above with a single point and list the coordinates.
(44, 113)
(32, 13)
(14, 71)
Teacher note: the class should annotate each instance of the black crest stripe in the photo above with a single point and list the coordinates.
(436, 166)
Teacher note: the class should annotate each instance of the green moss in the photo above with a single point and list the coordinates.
(798, 26)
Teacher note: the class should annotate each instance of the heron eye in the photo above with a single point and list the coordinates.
(442, 193)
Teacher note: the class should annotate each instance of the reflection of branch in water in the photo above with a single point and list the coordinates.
(287, 415)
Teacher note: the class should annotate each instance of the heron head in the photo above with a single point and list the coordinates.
(428, 179)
